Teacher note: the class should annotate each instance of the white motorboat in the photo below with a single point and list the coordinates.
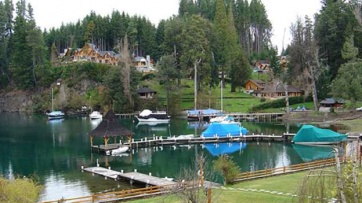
(153, 116)
(222, 119)
(119, 150)
(95, 115)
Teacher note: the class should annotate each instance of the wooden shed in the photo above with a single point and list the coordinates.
(110, 128)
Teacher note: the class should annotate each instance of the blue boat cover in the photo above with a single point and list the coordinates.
(310, 133)
(224, 129)
(217, 149)
(204, 112)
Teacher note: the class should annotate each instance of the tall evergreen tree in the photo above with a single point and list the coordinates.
(260, 26)
(222, 49)
(196, 50)
(333, 25)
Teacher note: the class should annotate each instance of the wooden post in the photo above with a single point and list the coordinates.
(106, 142)
(209, 195)
(91, 140)
(201, 172)
(129, 140)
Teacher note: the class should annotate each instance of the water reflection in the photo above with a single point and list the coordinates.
(95, 122)
(55, 152)
(311, 153)
(218, 149)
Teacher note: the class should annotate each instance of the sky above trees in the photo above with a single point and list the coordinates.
(53, 13)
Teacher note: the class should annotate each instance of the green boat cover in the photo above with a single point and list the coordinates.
(310, 133)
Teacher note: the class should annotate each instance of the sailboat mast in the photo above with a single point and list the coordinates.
(221, 92)
(52, 101)
(195, 87)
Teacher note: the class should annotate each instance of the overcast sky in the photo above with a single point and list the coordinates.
(52, 13)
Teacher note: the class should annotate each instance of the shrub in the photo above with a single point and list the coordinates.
(280, 103)
(19, 190)
(227, 168)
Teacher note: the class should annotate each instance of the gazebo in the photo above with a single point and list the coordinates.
(108, 128)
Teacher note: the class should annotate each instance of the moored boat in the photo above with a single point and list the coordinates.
(95, 115)
(222, 119)
(153, 116)
(224, 130)
(55, 115)
(119, 150)
(311, 135)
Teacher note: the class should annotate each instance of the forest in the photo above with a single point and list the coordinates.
(206, 38)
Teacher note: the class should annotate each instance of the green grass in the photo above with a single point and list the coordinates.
(232, 101)
(284, 183)
(353, 125)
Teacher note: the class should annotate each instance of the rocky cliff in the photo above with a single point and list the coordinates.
(22, 101)
(15, 101)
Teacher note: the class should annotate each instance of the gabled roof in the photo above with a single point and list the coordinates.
(332, 101)
(111, 53)
(110, 127)
(145, 90)
(258, 83)
(280, 89)
(139, 58)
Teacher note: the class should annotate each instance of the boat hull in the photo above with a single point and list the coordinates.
(153, 120)
(117, 151)
(95, 115)
(318, 143)
(55, 115)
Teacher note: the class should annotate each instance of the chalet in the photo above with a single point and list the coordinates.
(262, 65)
(142, 64)
(252, 85)
(89, 52)
(331, 102)
(261, 89)
(146, 93)
(279, 91)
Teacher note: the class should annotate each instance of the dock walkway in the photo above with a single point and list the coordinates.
(173, 140)
(130, 176)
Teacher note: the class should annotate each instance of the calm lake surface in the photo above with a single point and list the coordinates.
(54, 151)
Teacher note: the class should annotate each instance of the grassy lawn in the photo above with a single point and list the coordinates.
(232, 101)
(241, 192)
(353, 125)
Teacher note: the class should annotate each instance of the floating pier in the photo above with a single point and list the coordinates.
(166, 141)
(130, 176)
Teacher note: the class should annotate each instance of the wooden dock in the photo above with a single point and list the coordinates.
(130, 176)
(238, 116)
(167, 141)
(173, 141)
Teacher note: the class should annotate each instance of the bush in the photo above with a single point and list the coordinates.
(280, 103)
(227, 168)
(19, 190)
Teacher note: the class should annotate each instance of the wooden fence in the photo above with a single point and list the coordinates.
(284, 170)
(158, 190)
(117, 195)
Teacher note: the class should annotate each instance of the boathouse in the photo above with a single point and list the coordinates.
(107, 129)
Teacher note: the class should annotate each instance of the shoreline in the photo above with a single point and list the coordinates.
(349, 119)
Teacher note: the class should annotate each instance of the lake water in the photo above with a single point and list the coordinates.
(54, 151)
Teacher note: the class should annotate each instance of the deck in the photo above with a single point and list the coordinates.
(165, 141)
(130, 176)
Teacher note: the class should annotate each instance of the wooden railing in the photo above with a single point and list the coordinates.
(285, 169)
(117, 195)
(157, 190)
